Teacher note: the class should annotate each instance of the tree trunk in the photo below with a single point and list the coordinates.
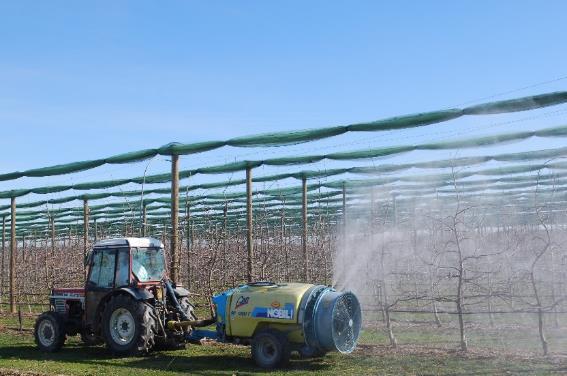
(543, 340)
(391, 337)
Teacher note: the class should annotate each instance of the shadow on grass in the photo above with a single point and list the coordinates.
(202, 360)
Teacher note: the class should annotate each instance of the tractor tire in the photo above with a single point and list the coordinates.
(270, 349)
(49, 331)
(128, 326)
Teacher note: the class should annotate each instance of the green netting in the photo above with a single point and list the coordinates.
(15, 193)
(63, 168)
(181, 149)
(195, 210)
(319, 174)
(531, 155)
(238, 222)
(264, 214)
(370, 153)
(354, 155)
(54, 189)
(267, 202)
(205, 212)
(552, 132)
(134, 156)
(281, 193)
(286, 138)
(389, 151)
(102, 184)
(260, 213)
(512, 170)
(519, 104)
(408, 121)
(507, 187)
(229, 167)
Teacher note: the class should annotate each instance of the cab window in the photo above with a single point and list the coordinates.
(102, 270)
(123, 272)
(148, 264)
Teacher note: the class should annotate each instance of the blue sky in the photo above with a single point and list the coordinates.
(82, 80)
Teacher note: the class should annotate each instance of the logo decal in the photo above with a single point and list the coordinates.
(285, 313)
(276, 313)
(276, 304)
(241, 301)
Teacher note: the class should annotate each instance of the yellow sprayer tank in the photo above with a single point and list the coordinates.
(310, 316)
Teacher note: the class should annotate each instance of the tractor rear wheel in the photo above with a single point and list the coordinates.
(270, 349)
(49, 331)
(129, 326)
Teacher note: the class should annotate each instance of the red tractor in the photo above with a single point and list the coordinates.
(126, 302)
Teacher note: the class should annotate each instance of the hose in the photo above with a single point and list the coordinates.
(171, 294)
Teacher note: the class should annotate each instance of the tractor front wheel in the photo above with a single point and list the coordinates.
(270, 349)
(49, 331)
(129, 326)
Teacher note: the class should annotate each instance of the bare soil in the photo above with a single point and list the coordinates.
(444, 352)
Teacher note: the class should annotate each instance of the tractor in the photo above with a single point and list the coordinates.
(126, 302)
(129, 303)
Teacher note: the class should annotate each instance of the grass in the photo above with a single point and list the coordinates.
(423, 351)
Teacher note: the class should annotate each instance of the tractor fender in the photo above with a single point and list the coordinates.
(136, 293)
(180, 292)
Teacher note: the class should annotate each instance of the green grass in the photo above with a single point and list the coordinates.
(18, 351)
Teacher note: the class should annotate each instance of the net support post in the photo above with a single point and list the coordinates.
(174, 218)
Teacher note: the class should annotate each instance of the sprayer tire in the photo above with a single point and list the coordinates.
(270, 349)
(135, 329)
(49, 332)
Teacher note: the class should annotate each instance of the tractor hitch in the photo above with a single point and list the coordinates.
(172, 325)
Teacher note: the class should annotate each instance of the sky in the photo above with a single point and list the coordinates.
(84, 80)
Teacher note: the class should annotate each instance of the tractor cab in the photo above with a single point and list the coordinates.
(132, 265)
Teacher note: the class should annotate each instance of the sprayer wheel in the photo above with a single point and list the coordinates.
(270, 349)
